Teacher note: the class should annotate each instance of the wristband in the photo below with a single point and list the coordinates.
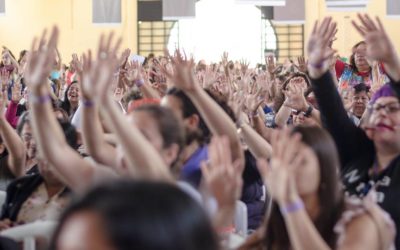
(39, 99)
(87, 103)
(139, 83)
(309, 111)
(292, 207)
(317, 66)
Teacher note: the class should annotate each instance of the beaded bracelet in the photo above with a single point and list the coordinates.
(292, 207)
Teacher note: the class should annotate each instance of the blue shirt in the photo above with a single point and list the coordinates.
(191, 171)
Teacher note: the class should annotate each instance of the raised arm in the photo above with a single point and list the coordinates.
(74, 170)
(350, 140)
(93, 134)
(12, 141)
(215, 117)
(143, 160)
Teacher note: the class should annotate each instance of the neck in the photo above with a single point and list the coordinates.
(53, 188)
(311, 203)
(73, 105)
(385, 155)
(363, 68)
(189, 150)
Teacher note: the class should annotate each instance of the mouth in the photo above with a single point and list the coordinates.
(382, 126)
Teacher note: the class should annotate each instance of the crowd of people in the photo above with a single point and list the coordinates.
(158, 155)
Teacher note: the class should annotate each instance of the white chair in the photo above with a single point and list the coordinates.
(241, 219)
(28, 232)
(3, 195)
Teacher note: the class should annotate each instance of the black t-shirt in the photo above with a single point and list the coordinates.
(357, 152)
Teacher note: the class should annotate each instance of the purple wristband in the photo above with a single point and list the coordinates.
(87, 103)
(139, 83)
(292, 207)
(318, 65)
(39, 99)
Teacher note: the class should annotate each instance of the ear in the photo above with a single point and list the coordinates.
(193, 121)
(171, 153)
(2, 148)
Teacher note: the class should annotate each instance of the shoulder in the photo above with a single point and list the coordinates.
(364, 225)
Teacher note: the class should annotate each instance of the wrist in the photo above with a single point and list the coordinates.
(292, 205)
(37, 98)
(87, 103)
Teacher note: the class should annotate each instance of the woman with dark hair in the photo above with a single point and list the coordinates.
(359, 70)
(369, 157)
(309, 210)
(71, 99)
(127, 215)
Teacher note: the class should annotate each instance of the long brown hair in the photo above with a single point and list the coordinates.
(330, 194)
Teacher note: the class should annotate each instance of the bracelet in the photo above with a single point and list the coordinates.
(139, 83)
(318, 65)
(309, 111)
(87, 103)
(292, 207)
(39, 99)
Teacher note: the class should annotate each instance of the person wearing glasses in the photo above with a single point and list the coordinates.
(370, 154)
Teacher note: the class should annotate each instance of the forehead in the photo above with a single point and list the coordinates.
(386, 100)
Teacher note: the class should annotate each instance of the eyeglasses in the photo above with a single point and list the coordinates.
(390, 108)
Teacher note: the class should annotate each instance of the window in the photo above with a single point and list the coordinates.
(290, 41)
(153, 36)
(393, 8)
(106, 11)
(2, 7)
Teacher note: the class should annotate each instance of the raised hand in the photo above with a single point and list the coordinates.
(77, 64)
(133, 71)
(16, 94)
(318, 49)
(99, 75)
(379, 46)
(40, 60)
(4, 78)
(270, 62)
(279, 174)
(183, 76)
(302, 64)
(295, 98)
(222, 177)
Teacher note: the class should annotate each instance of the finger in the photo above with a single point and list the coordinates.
(109, 41)
(101, 46)
(370, 22)
(358, 28)
(364, 21)
(117, 46)
(314, 30)
(42, 40)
